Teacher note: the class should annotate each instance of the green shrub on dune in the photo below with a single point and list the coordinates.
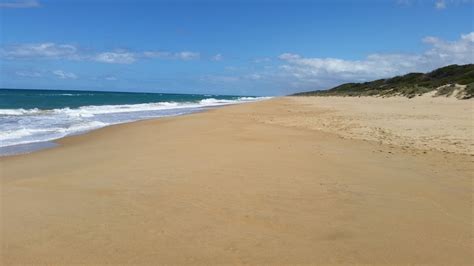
(410, 85)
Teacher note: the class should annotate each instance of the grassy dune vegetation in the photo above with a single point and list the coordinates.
(445, 81)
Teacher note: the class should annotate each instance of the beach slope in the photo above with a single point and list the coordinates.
(288, 180)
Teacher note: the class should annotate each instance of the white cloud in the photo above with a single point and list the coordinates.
(289, 56)
(28, 74)
(262, 60)
(186, 55)
(110, 78)
(40, 50)
(115, 57)
(440, 4)
(377, 65)
(253, 76)
(444, 52)
(64, 75)
(20, 4)
(335, 70)
(217, 57)
(156, 54)
(52, 50)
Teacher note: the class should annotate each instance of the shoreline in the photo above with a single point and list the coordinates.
(29, 125)
(235, 185)
(303, 101)
(32, 147)
(56, 143)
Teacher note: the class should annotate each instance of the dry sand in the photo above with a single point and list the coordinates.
(250, 184)
(426, 122)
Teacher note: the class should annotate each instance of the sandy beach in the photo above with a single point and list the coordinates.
(320, 180)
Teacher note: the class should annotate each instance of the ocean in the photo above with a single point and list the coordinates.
(33, 119)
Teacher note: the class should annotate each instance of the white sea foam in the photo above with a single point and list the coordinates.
(21, 126)
(19, 111)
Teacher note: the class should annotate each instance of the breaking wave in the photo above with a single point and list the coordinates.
(22, 126)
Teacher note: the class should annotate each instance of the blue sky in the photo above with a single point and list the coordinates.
(226, 47)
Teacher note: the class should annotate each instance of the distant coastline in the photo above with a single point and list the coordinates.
(453, 80)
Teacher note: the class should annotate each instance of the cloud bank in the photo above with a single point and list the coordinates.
(20, 4)
(115, 57)
(333, 70)
(41, 50)
(52, 50)
(437, 4)
(64, 75)
(288, 71)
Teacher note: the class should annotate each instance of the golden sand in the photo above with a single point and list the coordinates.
(259, 183)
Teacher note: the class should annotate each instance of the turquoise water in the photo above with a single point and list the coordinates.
(31, 119)
(53, 99)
